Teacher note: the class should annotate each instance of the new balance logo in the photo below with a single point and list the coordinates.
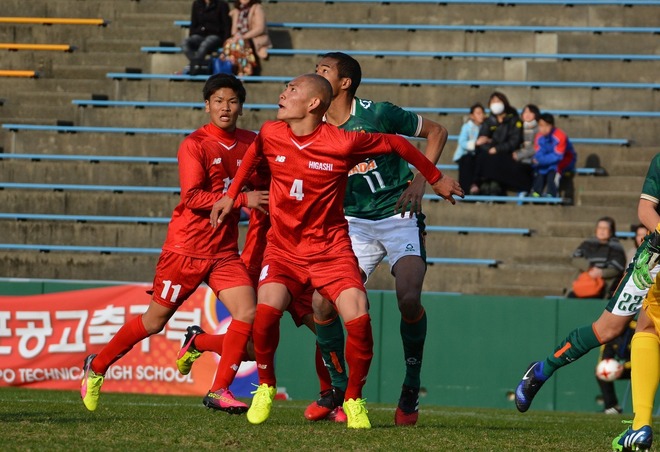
(280, 159)
(217, 161)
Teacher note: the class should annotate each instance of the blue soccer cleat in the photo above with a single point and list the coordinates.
(529, 385)
(633, 440)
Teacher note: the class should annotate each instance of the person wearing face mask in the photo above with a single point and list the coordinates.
(500, 136)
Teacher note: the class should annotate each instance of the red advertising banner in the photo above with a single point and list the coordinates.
(45, 338)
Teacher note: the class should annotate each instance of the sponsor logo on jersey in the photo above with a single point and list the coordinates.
(280, 158)
(365, 103)
(217, 161)
(363, 167)
(238, 162)
(322, 166)
(410, 247)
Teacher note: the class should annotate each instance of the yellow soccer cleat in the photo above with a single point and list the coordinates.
(188, 353)
(356, 412)
(90, 387)
(261, 404)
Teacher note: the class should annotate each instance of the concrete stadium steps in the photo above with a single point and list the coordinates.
(577, 15)
(611, 43)
(583, 127)
(460, 96)
(86, 266)
(522, 280)
(581, 229)
(75, 172)
(551, 15)
(458, 41)
(483, 69)
(54, 60)
(536, 217)
(28, 142)
(502, 247)
(84, 234)
(628, 184)
(88, 203)
(606, 198)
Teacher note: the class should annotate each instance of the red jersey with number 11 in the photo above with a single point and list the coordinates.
(308, 180)
(208, 160)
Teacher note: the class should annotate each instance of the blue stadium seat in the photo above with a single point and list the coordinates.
(85, 187)
(436, 110)
(440, 55)
(404, 81)
(142, 130)
(45, 248)
(440, 27)
(480, 230)
(491, 2)
(89, 158)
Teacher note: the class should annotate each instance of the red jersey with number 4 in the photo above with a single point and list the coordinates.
(208, 161)
(308, 180)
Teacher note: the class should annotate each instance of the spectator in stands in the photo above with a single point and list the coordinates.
(465, 154)
(210, 26)
(640, 233)
(553, 155)
(530, 116)
(249, 42)
(500, 136)
(601, 261)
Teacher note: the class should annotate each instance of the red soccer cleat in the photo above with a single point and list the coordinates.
(321, 408)
(407, 411)
(337, 415)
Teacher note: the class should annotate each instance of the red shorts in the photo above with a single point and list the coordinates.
(330, 273)
(301, 307)
(178, 276)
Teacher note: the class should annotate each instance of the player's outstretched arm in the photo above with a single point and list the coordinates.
(447, 188)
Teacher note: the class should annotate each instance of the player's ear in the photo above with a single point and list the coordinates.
(314, 103)
(346, 83)
(207, 108)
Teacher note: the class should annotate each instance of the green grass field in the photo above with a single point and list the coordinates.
(57, 420)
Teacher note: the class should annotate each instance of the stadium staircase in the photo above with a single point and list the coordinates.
(54, 229)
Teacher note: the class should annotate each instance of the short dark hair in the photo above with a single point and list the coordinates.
(547, 117)
(534, 109)
(348, 67)
(475, 106)
(218, 81)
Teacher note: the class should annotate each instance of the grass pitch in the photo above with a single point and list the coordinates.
(57, 420)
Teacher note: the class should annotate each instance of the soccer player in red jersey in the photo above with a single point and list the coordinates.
(308, 242)
(194, 252)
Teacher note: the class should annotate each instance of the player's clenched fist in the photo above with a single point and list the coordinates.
(447, 188)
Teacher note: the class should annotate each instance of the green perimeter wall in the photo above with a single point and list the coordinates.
(477, 349)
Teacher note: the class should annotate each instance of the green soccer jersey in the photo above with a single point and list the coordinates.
(375, 184)
(651, 188)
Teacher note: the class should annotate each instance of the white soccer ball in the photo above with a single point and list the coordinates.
(609, 369)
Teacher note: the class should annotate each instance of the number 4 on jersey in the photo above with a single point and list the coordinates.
(297, 190)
